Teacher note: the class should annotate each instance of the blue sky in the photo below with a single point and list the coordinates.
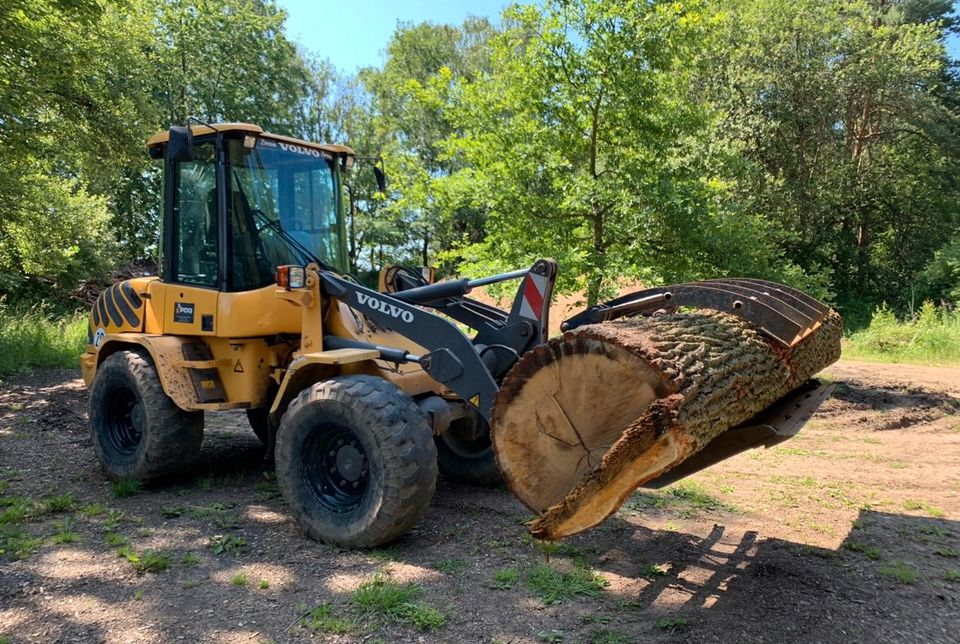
(354, 33)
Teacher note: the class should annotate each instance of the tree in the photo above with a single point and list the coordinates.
(835, 123)
(570, 143)
(408, 99)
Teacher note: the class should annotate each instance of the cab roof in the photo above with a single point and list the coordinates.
(198, 130)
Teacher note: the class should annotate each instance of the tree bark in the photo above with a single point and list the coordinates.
(583, 420)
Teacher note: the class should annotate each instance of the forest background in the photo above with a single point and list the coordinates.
(813, 142)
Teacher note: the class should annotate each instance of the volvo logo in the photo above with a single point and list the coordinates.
(392, 310)
(301, 149)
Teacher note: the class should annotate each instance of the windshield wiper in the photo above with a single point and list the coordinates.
(275, 225)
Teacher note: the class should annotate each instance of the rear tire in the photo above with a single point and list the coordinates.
(138, 432)
(465, 453)
(355, 461)
(259, 420)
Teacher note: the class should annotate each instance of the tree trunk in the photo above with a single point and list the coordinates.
(584, 419)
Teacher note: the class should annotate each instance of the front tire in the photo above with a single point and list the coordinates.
(138, 432)
(356, 461)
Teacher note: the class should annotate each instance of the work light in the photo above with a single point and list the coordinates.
(291, 276)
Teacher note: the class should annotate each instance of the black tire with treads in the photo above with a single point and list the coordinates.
(138, 432)
(466, 455)
(259, 420)
(356, 461)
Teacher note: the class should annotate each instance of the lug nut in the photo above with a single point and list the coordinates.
(356, 484)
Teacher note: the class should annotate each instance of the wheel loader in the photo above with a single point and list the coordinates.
(363, 395)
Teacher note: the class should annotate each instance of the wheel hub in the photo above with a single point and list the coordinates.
(336, 467)
(349, 463)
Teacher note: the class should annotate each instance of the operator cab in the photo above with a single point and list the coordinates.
(239, 202)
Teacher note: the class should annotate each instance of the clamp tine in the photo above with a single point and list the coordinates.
(788, 305)
(775, 318)
(812, 302)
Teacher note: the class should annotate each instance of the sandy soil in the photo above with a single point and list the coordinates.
(815, 540)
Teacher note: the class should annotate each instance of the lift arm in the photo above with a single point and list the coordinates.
(467, 367)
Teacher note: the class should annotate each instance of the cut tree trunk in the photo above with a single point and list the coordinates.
(581, 421)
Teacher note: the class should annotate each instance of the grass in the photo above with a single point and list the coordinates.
(932, 336)
(935, 512)
(658, 570)
(951, 575)
(554, 586)
(901, 572)
(239, 579)
(321, 619)
(92, 509)
(65, 531)
(116, 540)
(149, 561)
(17, 509)
(672, 623)
(190, 559)
(871, 552)
(60, 503)
(452, 566)
(505, 578)
(689, 497)
(263, 584)
(226, 544)
(221, 515)
(112, 521)
(946, 552)
(33, 337)
(124, 488)
(17, 543)
(266, 490)
(386, 598)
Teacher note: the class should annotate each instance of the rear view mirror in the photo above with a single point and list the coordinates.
(179, 144)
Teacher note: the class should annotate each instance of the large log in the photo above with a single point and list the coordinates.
(581, 421)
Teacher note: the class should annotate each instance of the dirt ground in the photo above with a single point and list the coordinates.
(849, 532)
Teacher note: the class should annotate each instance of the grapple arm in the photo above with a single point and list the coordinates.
(782, 312)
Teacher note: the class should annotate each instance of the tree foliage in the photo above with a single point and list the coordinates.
(809, 141)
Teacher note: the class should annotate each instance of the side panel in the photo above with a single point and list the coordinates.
(189, 310)
(243, 366)
(157, 292)
(258, 313)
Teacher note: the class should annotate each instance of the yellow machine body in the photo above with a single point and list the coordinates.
(251, 370)
(218, 350)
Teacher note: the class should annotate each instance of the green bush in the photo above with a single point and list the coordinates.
(34, 337)
(930, 337)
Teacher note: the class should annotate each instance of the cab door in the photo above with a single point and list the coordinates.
(192, 272)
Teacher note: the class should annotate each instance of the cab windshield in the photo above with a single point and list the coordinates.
(282, 205)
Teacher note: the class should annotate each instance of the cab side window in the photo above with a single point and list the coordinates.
(195, 214)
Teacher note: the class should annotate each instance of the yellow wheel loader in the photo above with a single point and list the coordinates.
(361, 396)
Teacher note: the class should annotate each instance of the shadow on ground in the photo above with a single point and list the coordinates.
(887, 581)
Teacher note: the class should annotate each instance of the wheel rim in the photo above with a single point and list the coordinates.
(336, 467)
(124, 421)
